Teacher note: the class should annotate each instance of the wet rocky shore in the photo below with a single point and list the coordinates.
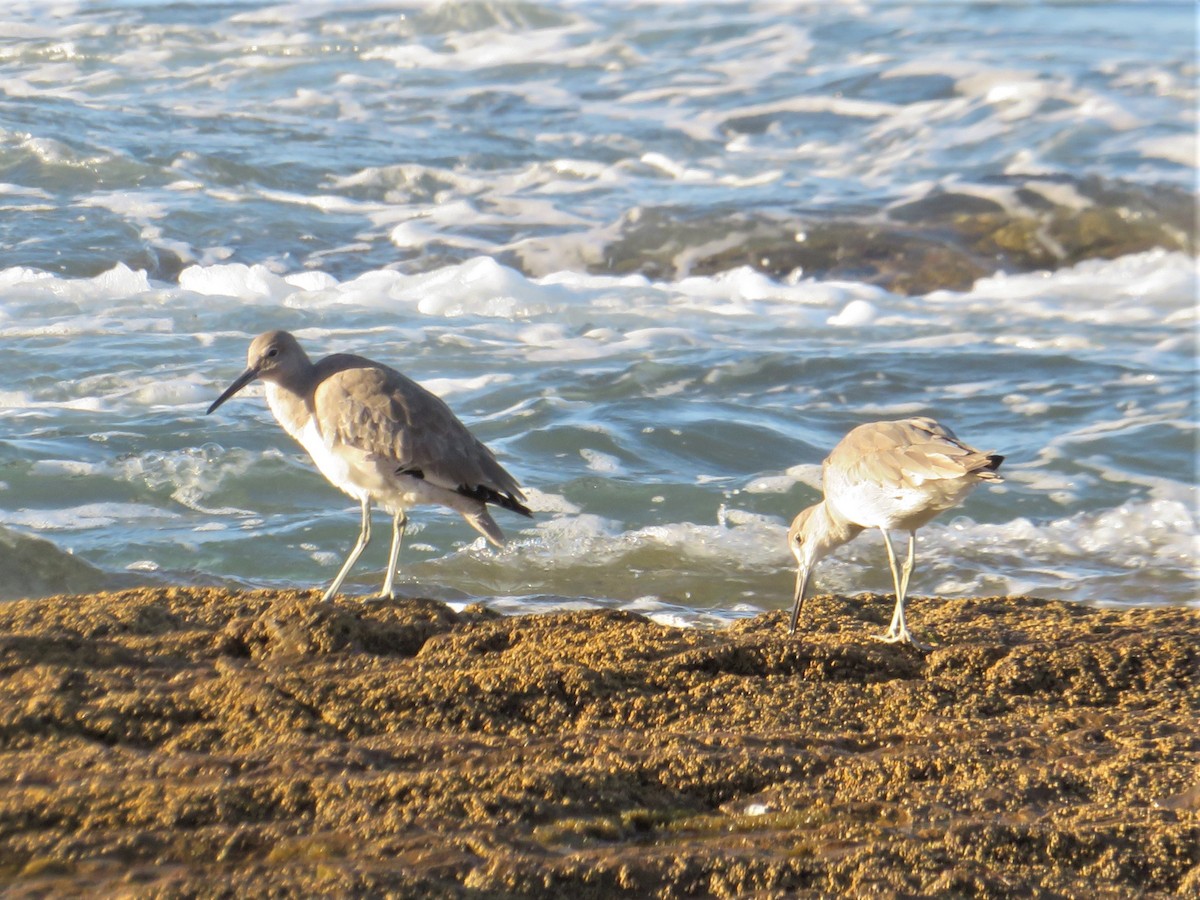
(193, 742)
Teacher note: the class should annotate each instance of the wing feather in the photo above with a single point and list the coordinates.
(379, 411)
(906, 452)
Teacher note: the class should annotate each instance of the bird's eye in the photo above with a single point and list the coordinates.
(272, 353)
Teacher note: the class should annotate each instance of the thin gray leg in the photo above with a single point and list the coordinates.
(364, 537)
(907, 571)
(898, 631)
(398, 522)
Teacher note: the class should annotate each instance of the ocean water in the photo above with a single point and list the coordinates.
(659, 256)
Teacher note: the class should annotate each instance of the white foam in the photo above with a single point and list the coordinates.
(670, 167)
(808, 474)
(1069, 556)
(86, 517)
(16, 275)
(742, 540)
(445, 387)
(1139, 289)
(191, 476)
(855, 313)
(170, 392)
(311, 281)
(64, 467)
(545, 502)
(1024, 405)
(124, 203)
(246, 283)
(604, 463)
(27, 403)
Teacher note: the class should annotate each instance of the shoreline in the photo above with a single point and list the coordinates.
(194, 741)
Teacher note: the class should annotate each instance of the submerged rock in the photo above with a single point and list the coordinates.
(201, 742)
(946, 239)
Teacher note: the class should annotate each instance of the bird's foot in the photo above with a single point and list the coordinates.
(901, 636)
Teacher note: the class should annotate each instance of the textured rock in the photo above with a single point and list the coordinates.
(196, 742)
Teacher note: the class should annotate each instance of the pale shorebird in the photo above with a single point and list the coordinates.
(380, 437)
(886, 475)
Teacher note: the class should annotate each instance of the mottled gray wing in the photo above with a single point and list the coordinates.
(906, 452)
(380, 411)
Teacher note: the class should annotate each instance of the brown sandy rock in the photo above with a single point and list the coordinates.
(196, 742)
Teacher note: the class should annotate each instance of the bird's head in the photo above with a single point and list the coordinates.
(273, 356)
(814, 534)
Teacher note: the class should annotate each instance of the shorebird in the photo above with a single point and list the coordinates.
(886, 475)
(380, 437)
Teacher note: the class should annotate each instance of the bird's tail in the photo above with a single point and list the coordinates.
(487, 494)
(988, 471)
(483, 522)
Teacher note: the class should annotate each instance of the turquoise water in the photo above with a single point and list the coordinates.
(598, 231)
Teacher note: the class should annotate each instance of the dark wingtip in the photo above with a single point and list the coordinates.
(512, 504)
(480, 492)
(486, 494)
(994, 461)
(520, 508)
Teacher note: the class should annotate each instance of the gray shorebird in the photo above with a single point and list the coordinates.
(886, 475)
(380, 437)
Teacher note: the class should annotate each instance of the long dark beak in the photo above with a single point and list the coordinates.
(242, 380)
(801, 584)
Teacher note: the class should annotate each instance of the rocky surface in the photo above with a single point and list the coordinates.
(197, 742)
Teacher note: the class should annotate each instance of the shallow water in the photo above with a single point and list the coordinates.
(555, 216)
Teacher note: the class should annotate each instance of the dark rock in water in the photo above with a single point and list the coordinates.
(198, 742)
(34, 567)
(944, 240)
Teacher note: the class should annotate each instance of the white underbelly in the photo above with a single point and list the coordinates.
(906, 508)
(339, 467)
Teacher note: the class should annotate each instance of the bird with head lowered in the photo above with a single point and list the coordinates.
(886, 475)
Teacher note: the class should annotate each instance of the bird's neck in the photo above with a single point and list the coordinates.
(289, 406)
(830, 531)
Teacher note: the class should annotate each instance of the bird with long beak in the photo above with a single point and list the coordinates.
(886, 475)
(380, 437)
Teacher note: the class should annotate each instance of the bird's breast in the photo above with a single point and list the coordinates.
(288, 409)
(335, 461)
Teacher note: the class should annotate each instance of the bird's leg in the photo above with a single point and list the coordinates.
(898, 631)
(906, 572)
(398, 523)
(364, 537)
(887, 542)
(902, 633)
